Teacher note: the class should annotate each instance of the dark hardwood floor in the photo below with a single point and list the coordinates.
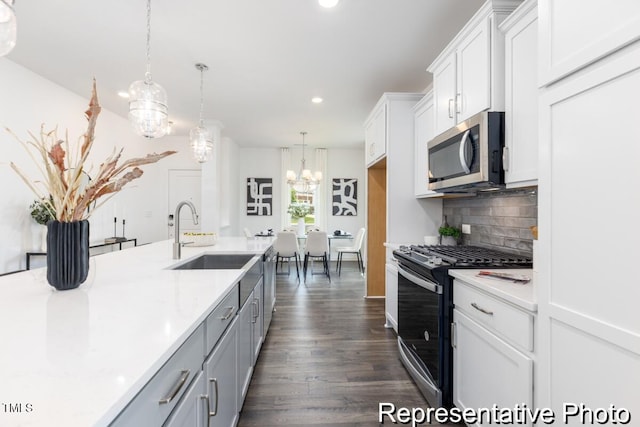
(327, 359)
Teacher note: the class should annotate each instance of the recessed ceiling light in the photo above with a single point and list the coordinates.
(328, 3)
(123, 94)
(316, 100)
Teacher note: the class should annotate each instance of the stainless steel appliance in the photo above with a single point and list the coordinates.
(468, 156)
(425, 310)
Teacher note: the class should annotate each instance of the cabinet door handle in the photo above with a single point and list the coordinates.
(184, 374)
(458, 103)
(255, 316)
(505, 158)
(450, 110)
(207, 403)
(229, 313)
(480, 309)
(213, 413)
(453, 334)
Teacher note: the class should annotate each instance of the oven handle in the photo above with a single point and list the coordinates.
(428, 285)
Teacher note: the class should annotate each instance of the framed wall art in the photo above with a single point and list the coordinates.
(345, 197)
(259, 196)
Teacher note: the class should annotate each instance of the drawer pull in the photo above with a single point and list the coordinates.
(184, 374)
(214, 381)
(474, 305)
(229, 313)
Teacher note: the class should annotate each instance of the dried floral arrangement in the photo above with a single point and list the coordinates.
(64, 189)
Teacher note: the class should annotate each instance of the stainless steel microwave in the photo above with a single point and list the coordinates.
(469, 156)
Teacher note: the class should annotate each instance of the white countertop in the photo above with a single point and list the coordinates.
(523, 295)
(77, 357)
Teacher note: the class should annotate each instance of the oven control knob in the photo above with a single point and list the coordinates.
(435, 260)
(426, 335)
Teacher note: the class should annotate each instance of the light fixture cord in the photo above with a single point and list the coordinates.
(303, 160)
(148, 73)
(201, 95)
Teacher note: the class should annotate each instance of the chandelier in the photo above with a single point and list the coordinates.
(148, 111)
(200, 137)
(304, 182)
(7, 27)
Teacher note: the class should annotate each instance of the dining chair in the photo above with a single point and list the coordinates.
(286, 247)
(317, 247)
(355, 249)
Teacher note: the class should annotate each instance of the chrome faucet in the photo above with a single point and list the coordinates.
(177, 246)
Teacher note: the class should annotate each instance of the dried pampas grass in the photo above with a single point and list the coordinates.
(63, 171)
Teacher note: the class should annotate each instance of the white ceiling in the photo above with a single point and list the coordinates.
(266, 58)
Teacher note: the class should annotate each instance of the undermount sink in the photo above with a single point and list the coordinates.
(216, 262)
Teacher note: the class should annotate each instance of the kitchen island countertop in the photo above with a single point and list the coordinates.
(77, 357)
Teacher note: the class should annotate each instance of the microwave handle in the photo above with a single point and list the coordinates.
(463, 145)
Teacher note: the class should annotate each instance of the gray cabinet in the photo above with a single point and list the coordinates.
(221, 382)
(192, 410)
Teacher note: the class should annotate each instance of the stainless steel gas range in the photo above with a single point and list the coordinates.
(425, 310)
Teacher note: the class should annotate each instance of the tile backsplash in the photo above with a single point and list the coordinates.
(499, 220)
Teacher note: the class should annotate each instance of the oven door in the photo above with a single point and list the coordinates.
(420, 332)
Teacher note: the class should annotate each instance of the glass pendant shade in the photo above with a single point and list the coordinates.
(201, 143)
(8, 27)
(148, 112)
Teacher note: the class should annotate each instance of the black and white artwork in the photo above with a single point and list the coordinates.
(259, 196)
(345, 197)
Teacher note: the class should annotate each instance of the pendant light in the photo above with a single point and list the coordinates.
(8, 28)
(304, 182)
(148, 111)
(200, 137)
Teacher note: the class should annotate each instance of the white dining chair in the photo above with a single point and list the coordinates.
(355, 249)
(286, 247)
(317, 247)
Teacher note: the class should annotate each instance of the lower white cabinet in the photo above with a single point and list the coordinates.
(487, 370)
(492, 351)
(391, 297)
(221, 382)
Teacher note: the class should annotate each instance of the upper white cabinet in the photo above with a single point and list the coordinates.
(423, 133)
(575, 33)
(520, 157)
(468, 75)
(375, 134)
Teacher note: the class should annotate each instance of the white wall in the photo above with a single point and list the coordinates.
(27, 101)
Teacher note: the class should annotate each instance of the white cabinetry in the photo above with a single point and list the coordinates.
(520, 158)
(391, 296)
(468, 75)
(375, 134)
(423, 133)
(492, 355)
(575, 34)
(588, 126)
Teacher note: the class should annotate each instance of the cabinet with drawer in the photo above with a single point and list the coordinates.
(493, 350)
(161, 394)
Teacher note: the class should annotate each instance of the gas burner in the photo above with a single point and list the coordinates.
(471, 256)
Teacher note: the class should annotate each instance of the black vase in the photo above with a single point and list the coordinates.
(67, 253)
